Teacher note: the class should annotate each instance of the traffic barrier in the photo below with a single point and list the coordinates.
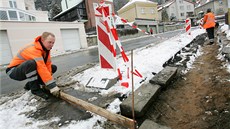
(107, 41)
(188, 26)
(201, 23)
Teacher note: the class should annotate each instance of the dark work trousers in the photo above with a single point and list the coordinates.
(210, 32)
(28, 71)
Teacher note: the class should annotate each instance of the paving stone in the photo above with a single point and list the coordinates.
(226, 50)
(227, 56)
(165, 76)
(148, 124)
(101, 83)
(143, 98)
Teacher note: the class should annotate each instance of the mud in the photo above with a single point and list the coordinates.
(199, 99)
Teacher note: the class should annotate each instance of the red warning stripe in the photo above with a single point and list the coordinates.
(104, 63)
(137, 73)
(119, 74)
(123, 20)
(104, 38)
(107, 26)
(125, 84)
(114, 32)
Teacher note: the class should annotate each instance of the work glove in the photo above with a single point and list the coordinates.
(55, 91)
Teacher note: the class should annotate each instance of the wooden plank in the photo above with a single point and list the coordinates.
(116, 118)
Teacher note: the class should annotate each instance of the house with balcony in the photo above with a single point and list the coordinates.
(176, 10)
(142, 12)
(20, 23)
(79, 10)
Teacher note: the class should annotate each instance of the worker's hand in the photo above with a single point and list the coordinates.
(55, 91)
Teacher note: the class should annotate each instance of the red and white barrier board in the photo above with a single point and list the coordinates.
(107, 41)
(201, 23)
(106, 47)
(188, 26)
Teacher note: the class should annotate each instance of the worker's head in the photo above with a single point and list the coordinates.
(209, 10)
(48, 40)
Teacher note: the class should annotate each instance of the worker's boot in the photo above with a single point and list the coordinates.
(27, 86)
(36, 90)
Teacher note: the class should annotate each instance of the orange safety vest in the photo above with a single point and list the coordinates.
(209, 20)
(35, 52)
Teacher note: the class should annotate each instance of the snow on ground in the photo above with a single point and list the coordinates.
(13, 110)
(225, 29)
(146, 60)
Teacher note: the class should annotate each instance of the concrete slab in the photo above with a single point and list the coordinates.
(227, 56)
(226, 50)
(143, 98)
(102, 83)
(148, 124)
(165, 76)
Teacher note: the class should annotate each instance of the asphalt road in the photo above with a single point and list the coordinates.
(69, 61)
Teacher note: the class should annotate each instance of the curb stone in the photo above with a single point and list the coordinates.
(164, 77)
(148, 124)
(144, 96)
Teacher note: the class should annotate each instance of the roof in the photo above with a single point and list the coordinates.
(165, 5)
(170, 3)
(64, 11)
(134, 1)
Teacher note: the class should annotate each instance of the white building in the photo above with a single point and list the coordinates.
(20, 23)
(177, 10)
(21, 10)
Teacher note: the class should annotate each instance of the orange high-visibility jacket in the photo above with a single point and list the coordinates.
(209, 20)
(35, 52)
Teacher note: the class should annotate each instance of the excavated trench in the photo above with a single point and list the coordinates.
(199, 98)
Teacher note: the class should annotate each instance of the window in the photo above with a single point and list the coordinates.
(152, 11)
(3, 15)
(142, 10)
(13, 3)
(220, 2)
(33, 18)
(181, 7)
(21, 16)
(188, 7)
(27, 17)
(181, 1)
(182, 14)
(13, 15)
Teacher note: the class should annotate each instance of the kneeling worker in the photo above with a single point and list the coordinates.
(33, 63)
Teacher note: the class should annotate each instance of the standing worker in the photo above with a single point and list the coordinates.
(33, 63)
(209, 25)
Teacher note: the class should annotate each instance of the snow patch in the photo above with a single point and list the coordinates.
(146, 60)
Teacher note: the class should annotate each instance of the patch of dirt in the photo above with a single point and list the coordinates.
(199, 99)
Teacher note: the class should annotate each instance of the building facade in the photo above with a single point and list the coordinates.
(79, 10)
(21, 10)
(219, 7)
(69, 37)
(19, 26)
(176, 10)
(139, 9)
